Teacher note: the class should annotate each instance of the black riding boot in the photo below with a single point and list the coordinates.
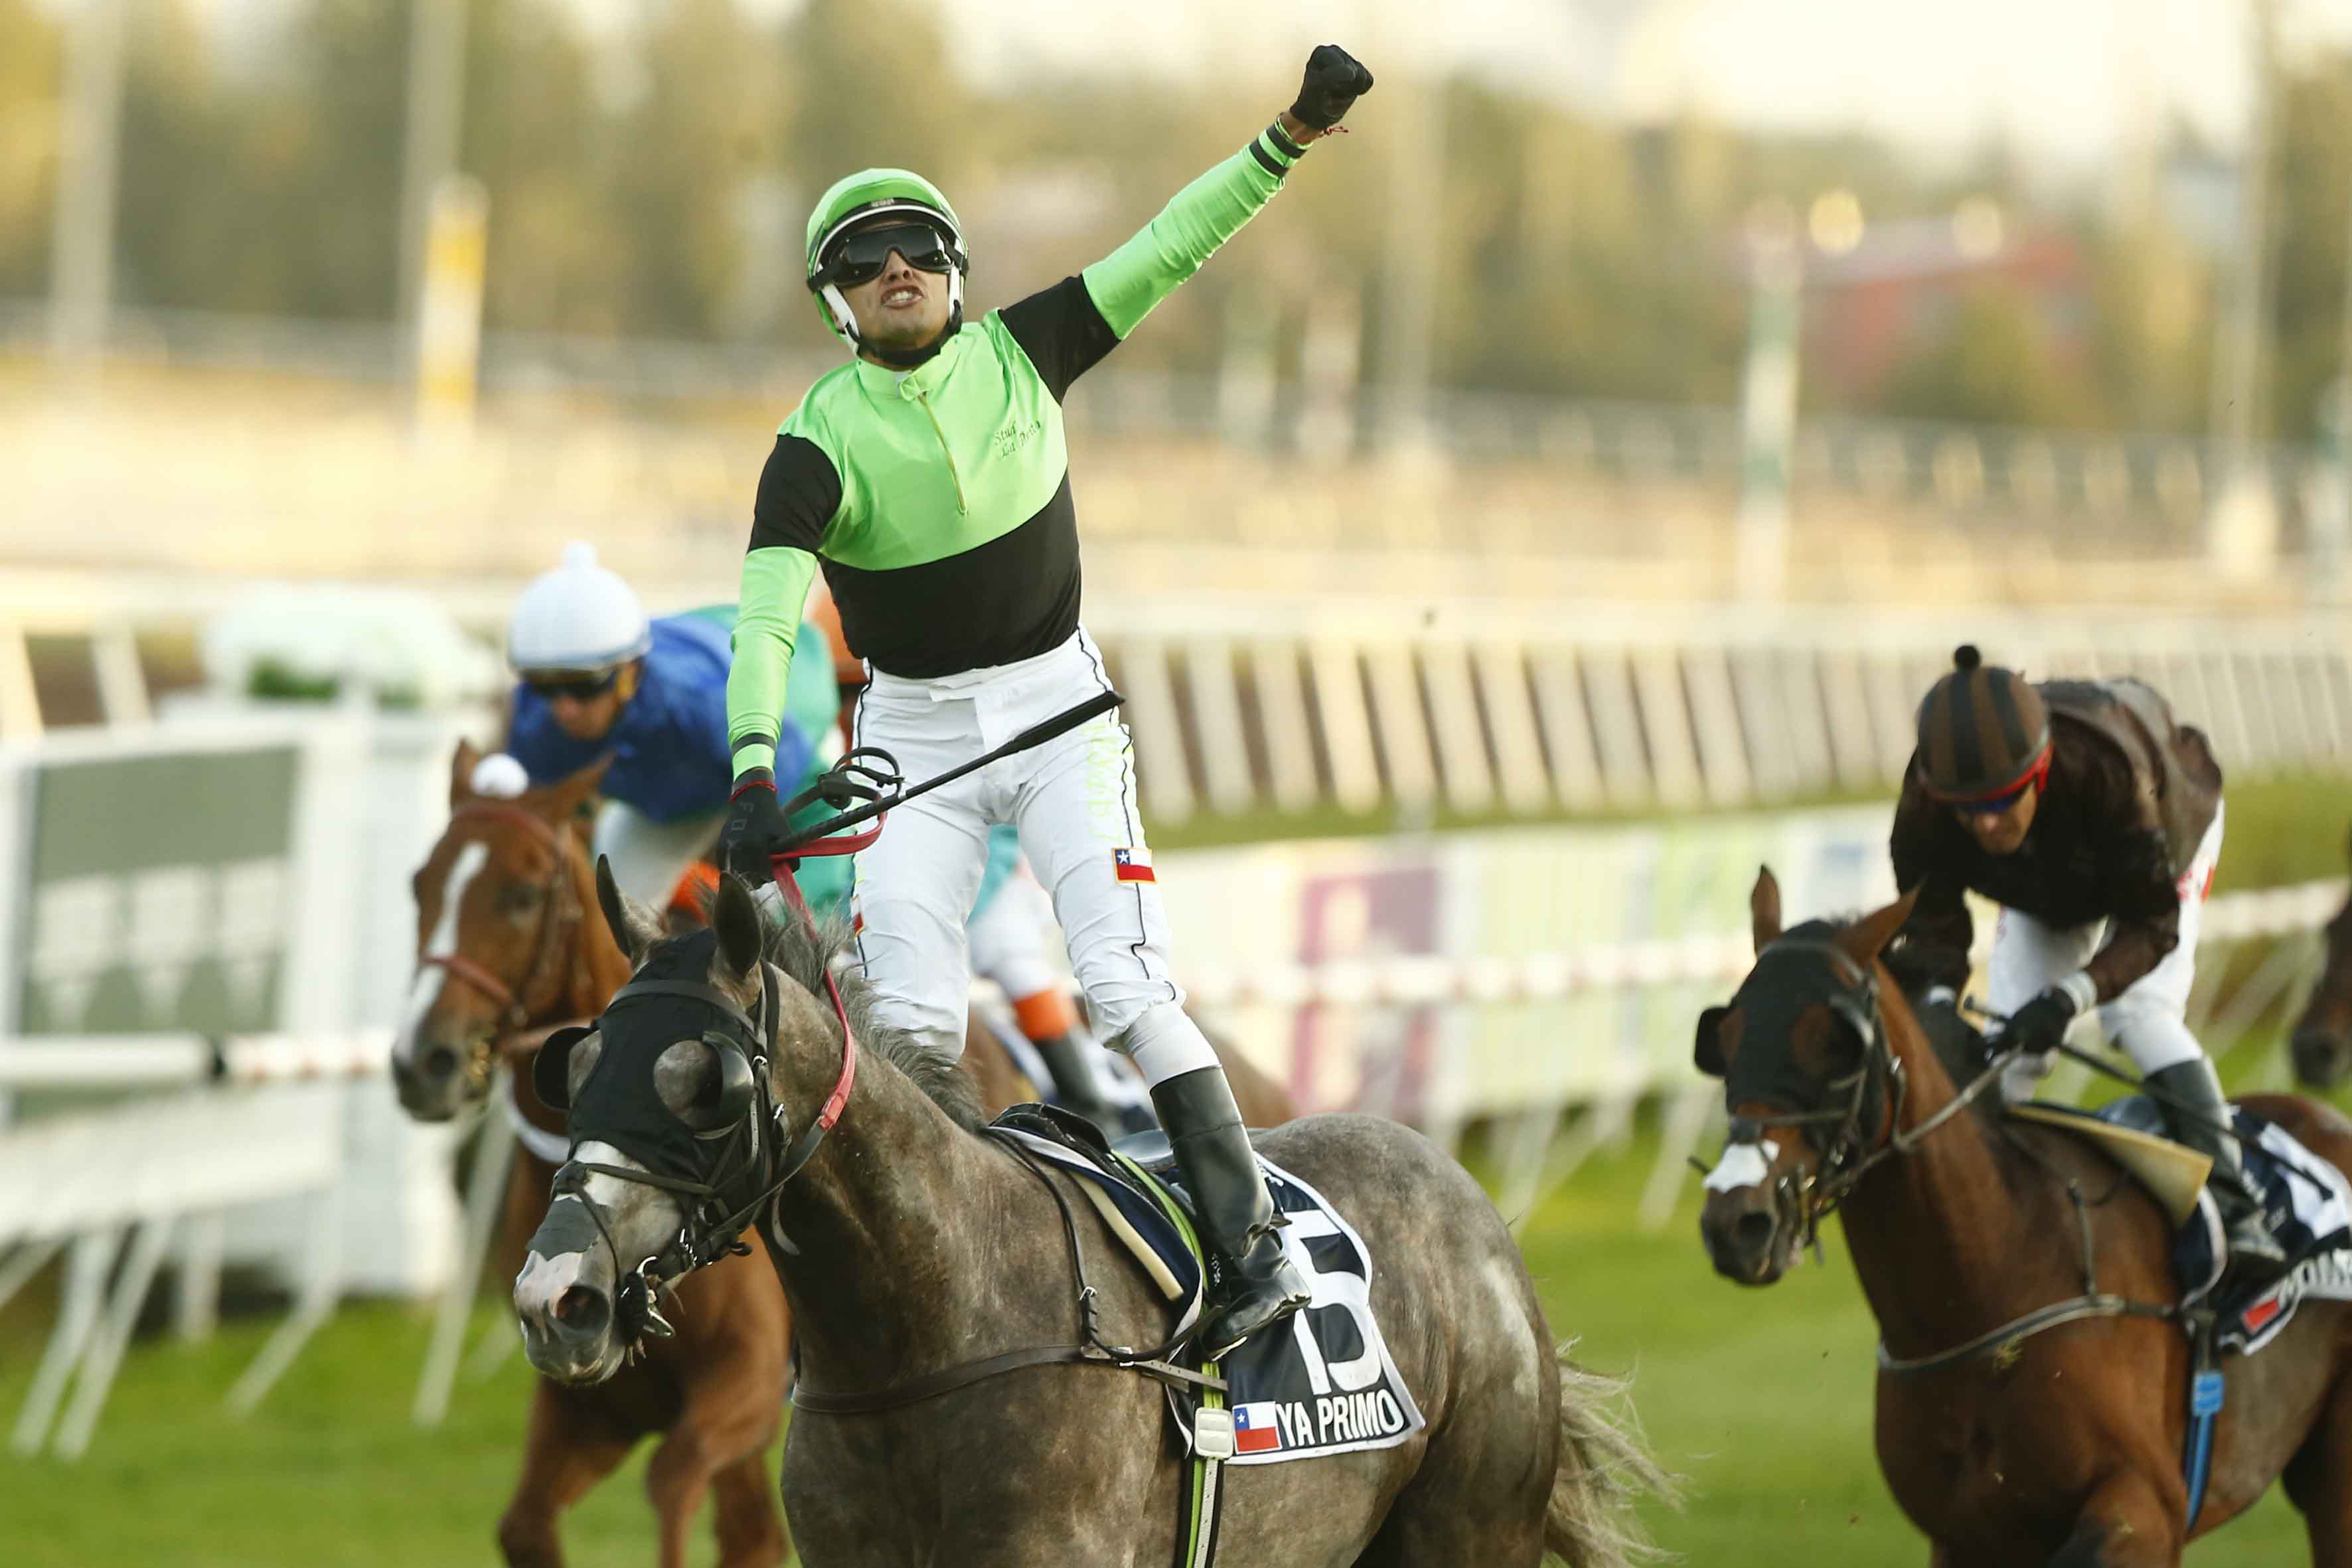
(1252, 1283)
(1075, 1088)
(2190, 1095)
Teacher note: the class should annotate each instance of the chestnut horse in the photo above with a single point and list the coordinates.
(2061, 1446)
(504, 956)
(507, 939)
(2322, 1041)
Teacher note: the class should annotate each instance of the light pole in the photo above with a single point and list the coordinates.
(81, 240)
(436, 103)
(2241, 522)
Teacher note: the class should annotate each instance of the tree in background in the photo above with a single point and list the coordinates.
(652, 184)
(2314, 175)
(535, 134)
(31, 77)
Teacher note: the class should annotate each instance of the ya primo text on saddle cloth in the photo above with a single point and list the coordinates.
(1321, 1382)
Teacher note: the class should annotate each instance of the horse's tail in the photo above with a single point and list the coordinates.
(1605, 1469)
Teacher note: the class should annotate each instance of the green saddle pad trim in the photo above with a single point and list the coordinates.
(1202, 1492)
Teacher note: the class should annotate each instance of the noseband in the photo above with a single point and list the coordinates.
(1851, 1150)
(559, 914)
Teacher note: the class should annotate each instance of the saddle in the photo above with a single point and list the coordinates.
(2131, 1132)
(1322, 1383)
(2306, 1204)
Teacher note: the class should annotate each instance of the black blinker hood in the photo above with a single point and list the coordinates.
(667, 1001)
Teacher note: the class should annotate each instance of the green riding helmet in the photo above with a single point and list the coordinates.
(870, 193)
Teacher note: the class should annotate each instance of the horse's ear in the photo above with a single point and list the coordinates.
(633, 926)
(736, 918)
(565, 798)
(1764, 907)
(1706, 1048)
(1867, 938)
(461, 774)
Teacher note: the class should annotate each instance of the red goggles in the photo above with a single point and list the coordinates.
(1994, 805)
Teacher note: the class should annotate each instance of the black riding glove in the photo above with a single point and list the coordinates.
(2039, 1026)
(755, 823)
(1335, 79)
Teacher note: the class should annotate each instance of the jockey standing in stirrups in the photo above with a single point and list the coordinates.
(1010, 924)
(599, 680)
(2094, 821)
(930, 478)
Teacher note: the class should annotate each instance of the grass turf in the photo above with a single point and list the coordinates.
(1760, 1399)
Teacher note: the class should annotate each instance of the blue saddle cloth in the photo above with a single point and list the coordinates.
(2306, 1205)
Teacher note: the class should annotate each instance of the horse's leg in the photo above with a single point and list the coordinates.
(2126, 1523)
(2319, 1481)
(566, 1452)
(712, 1433)
(750, 1523)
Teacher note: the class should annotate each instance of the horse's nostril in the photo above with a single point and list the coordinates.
(438, 1063)
(1753, 1231)
(580, 1311)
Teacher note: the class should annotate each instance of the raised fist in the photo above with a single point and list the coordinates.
(1335, 80)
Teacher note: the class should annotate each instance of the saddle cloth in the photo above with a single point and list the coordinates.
(1323, 1382)
(2307, 1204)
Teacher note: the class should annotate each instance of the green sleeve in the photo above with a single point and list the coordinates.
(813, 702)
(1125, 284)
(775, 586)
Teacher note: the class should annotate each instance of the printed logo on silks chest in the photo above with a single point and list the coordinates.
(1132, 864)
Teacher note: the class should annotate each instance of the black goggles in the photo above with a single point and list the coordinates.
(579, 686)
(860, 255)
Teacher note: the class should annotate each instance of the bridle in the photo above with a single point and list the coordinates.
(1808, 1198)
(1878, 1080)
(744, 1152)
(1850, 1156)
(559, 915)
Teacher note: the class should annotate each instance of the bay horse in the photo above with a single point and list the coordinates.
(507, 949)
(2320, 1043)
(2063, 1447)
(909, 1244)
(507, 944)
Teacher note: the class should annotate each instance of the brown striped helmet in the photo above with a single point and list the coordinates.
(1984, 734)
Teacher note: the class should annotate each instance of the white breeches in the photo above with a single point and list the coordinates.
(1073, 801)
(2148, 1021)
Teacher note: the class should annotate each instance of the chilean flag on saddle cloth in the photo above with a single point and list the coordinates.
(1255, 1430)
(1132, 864)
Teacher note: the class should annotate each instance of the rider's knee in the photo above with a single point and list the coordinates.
(2154, 1037)
(1164, 1042)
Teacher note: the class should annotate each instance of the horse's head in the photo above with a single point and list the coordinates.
(675, 1128)
(2322, 1041)
(497, 909)
(1807, 1077)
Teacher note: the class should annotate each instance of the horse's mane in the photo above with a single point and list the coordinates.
(808, 951)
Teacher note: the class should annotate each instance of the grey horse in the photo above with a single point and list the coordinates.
(910, 1245)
